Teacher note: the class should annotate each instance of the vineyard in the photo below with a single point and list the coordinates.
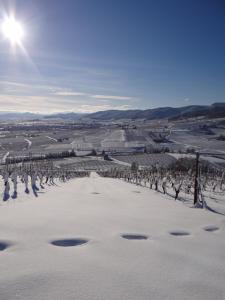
(163, 173)
(148, 160)
(207, 190)
(92, 164)
(34, 176)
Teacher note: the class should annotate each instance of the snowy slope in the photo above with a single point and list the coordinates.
(164, 266)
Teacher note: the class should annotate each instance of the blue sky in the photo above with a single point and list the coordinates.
(90, 55)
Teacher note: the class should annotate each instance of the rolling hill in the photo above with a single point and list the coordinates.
(213, 111)
(216, 110)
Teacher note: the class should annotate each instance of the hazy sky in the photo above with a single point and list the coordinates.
(89, 55)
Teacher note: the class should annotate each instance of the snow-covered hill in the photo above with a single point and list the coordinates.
(74, 241)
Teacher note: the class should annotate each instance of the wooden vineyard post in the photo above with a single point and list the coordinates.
(196, 191)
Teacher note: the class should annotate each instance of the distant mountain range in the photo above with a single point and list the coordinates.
(216, 110)
(26, 116)
(14, 116)
(65, 116)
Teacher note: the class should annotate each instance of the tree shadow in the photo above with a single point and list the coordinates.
(213, 210)
(34, 189)
(6, 196)
(14, 196)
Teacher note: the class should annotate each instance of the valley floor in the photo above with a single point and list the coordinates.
(74, 241)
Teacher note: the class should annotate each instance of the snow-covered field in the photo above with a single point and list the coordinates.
(178, 255)
(147, 160)
(198, 141)
(207, 158)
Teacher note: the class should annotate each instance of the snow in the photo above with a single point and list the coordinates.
(28, 142)
(5, 157)
(51, 138)
(163, 264)
(203, 157)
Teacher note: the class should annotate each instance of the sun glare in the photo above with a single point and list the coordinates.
(12, 30)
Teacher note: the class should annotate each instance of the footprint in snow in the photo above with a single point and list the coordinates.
(211, 228)
(134, 236)
(4, 245)
(179, 233)
(69, 242)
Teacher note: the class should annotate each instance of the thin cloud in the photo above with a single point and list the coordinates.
(12, 83)
(29, 97)
(86, 108)
(111, 97)
(28, 88)
(18, 88)
(68, 93)
(43, 104)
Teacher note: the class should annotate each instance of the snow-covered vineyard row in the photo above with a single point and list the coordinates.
(148, 160)
(175, 179)
(92, 164)
(97, 238)
(179, 184)
(116, 226)
(34, 176)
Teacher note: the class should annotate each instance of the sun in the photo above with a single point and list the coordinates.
(12, 30)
